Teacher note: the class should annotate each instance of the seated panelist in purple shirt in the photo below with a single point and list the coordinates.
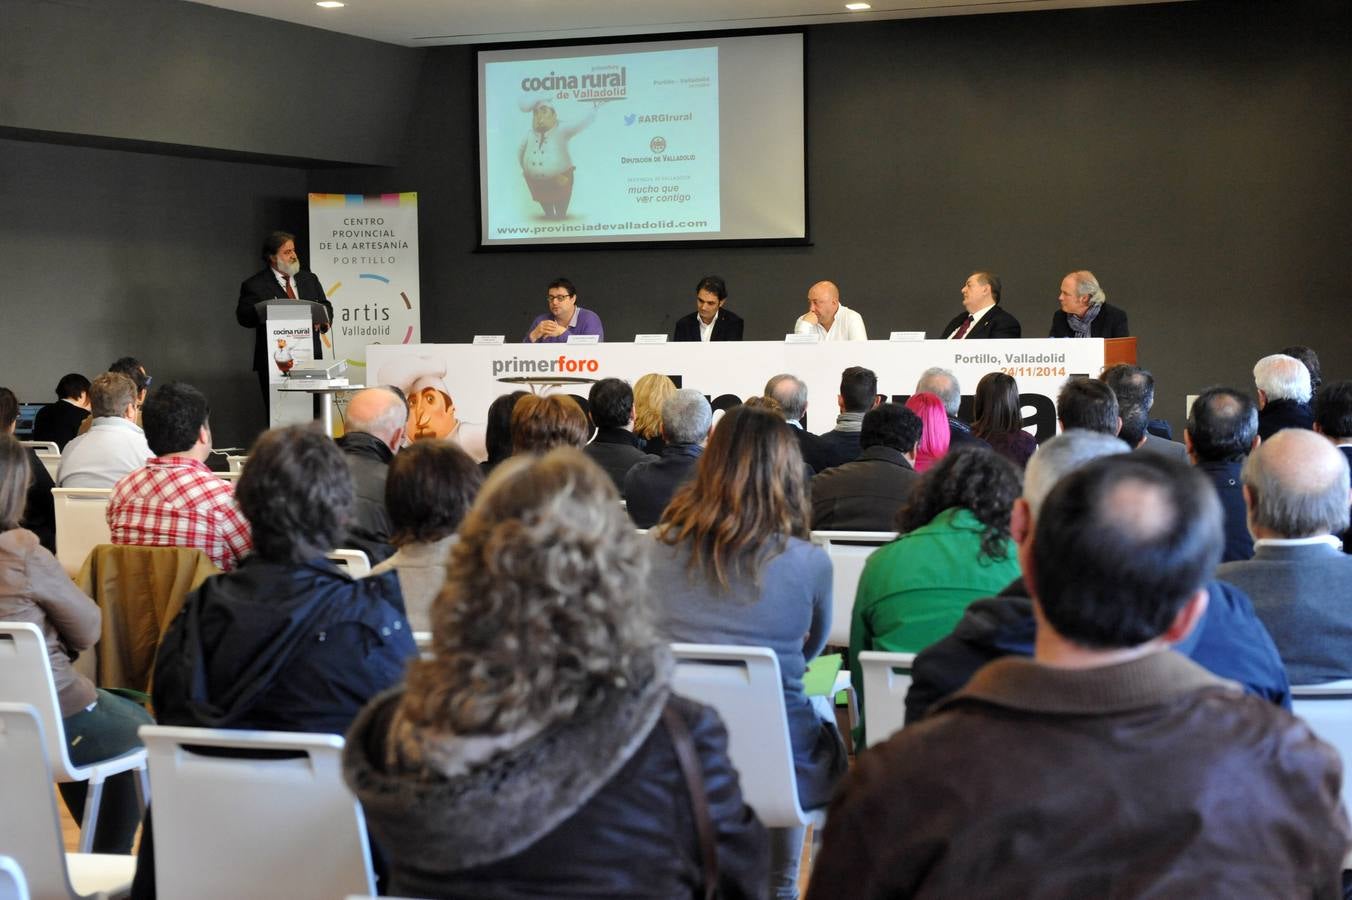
(565, 317)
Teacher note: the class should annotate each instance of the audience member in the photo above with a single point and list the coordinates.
(1230, 642)
(59, 422)
(1296, 487)
(564, 319)
(535, 753)
(1311, 360)
(615, 448)
(1283, 384)
(430, 487)
(1084, 312)
(651, 393)
(134, 369)
(649, 485)
(1222, 430)
(858, 394)
(791, 394)
(735, 565)
(1105, 753)
(287, 642)
(955, 547)
(827, 318)
(944, 384)
(866, 494)
(375, 425)
(98, 725)
(539, 424)
(39, 513)
(997, 415)
(711, 320)
(498, 431)
(1088, 404)
(935, 432)
(114, 444)
(982, 316)
(174, 500)
(1134, 389)
(1333, 419)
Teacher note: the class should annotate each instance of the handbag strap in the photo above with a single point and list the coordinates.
(684, 745)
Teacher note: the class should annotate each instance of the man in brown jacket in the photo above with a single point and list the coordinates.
(1107, 765)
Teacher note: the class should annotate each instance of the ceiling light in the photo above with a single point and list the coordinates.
(329, 4)
(857, 7)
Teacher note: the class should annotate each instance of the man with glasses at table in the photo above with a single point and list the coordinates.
(564, 319)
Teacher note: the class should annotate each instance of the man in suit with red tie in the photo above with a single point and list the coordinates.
(281, 279)
(983, 317)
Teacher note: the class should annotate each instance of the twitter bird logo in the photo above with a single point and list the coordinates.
(630, 119)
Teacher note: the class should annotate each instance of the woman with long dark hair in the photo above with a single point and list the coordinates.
(734, 564)
(998, 418)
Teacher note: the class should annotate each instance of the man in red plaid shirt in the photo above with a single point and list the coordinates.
(175, 500)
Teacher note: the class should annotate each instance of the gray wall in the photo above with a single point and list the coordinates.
(1191, 154)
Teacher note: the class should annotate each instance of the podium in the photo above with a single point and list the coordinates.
(290, 331)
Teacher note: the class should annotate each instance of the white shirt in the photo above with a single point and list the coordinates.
(1332, 540)
(281, 282)
(976, 317)
(112, 447)
(848, 325)
(706, 332)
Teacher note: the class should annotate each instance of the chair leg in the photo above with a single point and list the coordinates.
(90, 823)
(143, 790)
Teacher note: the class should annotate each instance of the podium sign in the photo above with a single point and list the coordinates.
(290, 340)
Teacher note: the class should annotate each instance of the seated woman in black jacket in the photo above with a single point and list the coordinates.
(535, 754)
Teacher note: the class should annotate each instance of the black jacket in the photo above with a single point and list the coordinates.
(996, 323)
(1279, 414)
(263, 286)
(728, 327)
(1111, 322)
(616, 450)
(39, 511)
(650, 484)
(835, 448)
(863, 495)
(58, 422)
(368, 462)
(1224, 476)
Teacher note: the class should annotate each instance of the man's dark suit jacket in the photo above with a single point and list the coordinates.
(264, 286)
(1279, 414)
(727, 327)
(649, 486)
(1111, 322)
(39, 511)
(960, 435)
(616, 451)
(814, 452)
(1235, 517)
(863, 495)
(835, 448)
(996, 323)
(58, 422)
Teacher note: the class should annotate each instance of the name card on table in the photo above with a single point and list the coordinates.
(488, 340)
(584, 338)
(650, 339)
(907, 336)
(809, 338)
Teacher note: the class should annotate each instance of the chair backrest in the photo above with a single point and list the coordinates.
(887, 678)
(26, 678)
(13, 886)
(81, 524)
(849, 550)
(30, 829)
(231, 826)
(48, 453)
(1327, 708)
(354, 562)
(236, 463)
(229, 476)
(743, 684)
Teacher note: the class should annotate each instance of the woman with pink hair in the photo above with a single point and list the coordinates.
(933, 442)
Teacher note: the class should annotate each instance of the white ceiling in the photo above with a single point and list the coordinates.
(423, 23)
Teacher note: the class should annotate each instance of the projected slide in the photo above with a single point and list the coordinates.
(601, 146)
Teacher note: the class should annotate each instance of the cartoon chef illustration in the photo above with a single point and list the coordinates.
(545, 163)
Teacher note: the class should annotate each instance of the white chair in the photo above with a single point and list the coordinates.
(81, 524)
(353, 562)
(228, 476)
(423, 641)
(743, 684)
(236, 463)
(231, 826)
(49, 453)
(26, 678)
(30, 829)
(13, 886)
(1327, 708)
(887, 678)
(849, 550)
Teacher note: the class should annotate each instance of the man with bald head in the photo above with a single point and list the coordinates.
(375, 421)
(827, 318)
(982, 317)
(1296, 489)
